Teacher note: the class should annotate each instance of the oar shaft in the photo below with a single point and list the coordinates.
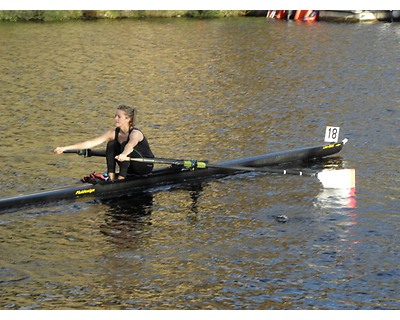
(342, 178)
(87, 152)
(194, 164)
(268, 170)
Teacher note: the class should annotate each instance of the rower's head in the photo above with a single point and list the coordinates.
(128, 112)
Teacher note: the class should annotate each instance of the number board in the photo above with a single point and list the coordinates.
(332, 134)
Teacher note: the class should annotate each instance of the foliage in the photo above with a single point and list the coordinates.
(214, 13)
(40, 15)
(60, 15)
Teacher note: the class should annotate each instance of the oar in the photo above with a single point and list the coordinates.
(337, 179)
(341, 178)
(87, 152)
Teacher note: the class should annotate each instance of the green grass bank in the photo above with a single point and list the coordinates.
(62, 15)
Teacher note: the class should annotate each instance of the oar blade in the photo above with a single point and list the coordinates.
(338, 179)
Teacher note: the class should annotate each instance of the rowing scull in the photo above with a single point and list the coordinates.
(170, 176)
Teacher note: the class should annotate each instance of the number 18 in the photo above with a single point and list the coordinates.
(332, 134)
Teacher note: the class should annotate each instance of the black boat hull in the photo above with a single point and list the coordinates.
(168, 176)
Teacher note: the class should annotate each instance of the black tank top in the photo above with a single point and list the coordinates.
(142, 148)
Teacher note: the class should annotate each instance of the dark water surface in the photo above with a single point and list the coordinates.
(205, 89)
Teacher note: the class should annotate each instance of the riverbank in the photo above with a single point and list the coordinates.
(61, 15)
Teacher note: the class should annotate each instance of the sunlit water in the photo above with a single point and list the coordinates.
(205, 89)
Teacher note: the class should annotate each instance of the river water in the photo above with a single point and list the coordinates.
(205, 89)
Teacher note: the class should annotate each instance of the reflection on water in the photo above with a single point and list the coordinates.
(128, 206)
(214, 90)
(127, 217)
(337, 198)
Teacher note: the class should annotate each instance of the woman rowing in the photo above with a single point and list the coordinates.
(124, 141)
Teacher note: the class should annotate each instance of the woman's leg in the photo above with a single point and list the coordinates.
(110, 157)
(133, 167)
(123, 169)
(139, 168)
